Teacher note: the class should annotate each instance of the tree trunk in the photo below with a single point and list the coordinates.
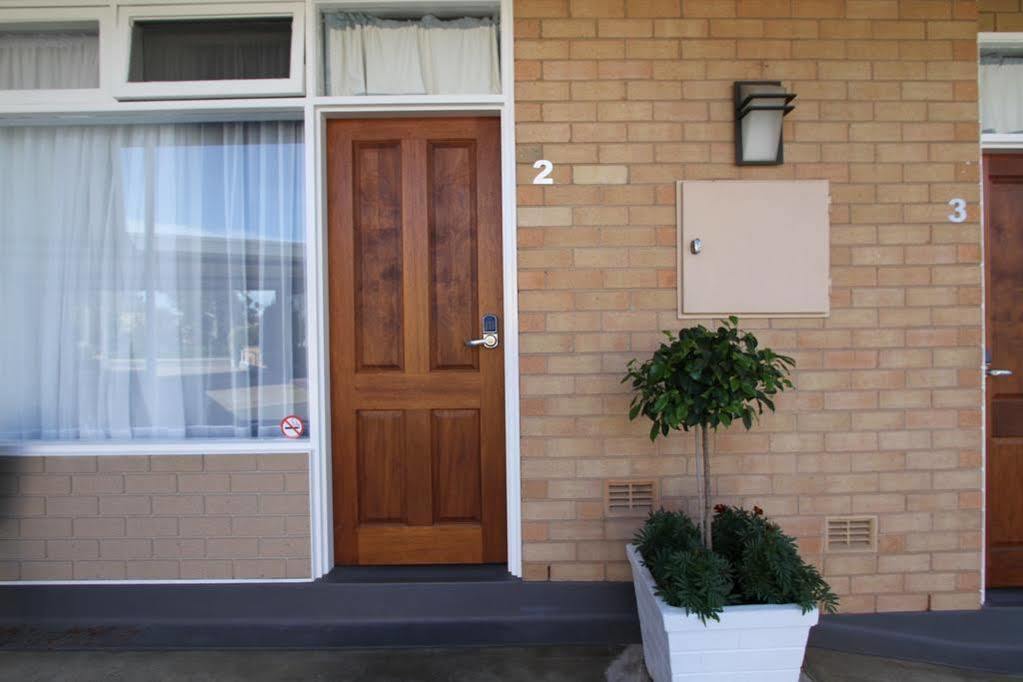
(703, 482)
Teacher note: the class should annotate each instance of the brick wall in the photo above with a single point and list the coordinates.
(1000, 15)
(625, 98)
(166, 517)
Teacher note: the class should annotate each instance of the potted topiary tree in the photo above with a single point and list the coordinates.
(729, 597)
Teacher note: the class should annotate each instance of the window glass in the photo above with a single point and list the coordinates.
(156, 273)
(366, 55)
(1001, 91)
(49, 59)
(210, 49)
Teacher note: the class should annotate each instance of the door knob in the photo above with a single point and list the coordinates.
(998, 372)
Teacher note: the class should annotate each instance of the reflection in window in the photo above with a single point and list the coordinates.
(157, 276)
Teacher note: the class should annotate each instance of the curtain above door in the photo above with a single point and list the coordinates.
(366, 55)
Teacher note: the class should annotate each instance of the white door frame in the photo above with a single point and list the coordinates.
(317, 112)
(1005, 143)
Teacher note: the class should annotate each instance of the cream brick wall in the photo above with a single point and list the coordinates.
(1001, 15)
(161, 517)
(625, 98)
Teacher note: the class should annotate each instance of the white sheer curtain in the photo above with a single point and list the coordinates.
(370, 56)
(1001, 96)
(152, 280)
(38, 61)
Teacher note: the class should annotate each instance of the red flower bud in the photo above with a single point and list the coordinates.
(758, 511)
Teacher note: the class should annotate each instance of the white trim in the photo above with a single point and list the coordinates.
(401, 8)
(994, 39)
(1002, 141)
(196, 446)
(127, 15)
(421, 101)
(509, 243)
(321, 526)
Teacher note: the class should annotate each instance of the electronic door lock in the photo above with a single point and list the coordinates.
(490, 338)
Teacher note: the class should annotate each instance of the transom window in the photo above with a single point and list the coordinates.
(49, 57)
(210, 50)
(207, 51)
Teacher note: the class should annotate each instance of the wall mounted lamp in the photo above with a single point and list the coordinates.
(760, 107)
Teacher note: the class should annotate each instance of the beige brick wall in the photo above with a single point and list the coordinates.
(1001, 15)
(625, 98)
(161, 517)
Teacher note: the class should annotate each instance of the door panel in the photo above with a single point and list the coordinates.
(1003, 201)
(414, 247)
(381, 452)
(452, 190)
(378, 254)
(456, 470)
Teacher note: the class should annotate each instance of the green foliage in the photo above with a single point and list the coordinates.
(766, 562)
(706, 378)
(753, 562)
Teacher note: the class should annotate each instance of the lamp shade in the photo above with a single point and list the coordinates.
(760, 107)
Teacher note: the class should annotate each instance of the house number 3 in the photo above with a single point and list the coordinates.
(958, 214)
(544, 176)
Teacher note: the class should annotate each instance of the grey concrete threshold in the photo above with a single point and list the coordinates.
(316, 615)
(990, 639)
(478, 611)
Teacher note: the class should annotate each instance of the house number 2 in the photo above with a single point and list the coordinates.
(958, 214)
(544, 176)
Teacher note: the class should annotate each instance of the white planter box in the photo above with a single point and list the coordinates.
(757, 643)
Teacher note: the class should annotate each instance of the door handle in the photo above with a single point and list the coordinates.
(998, 372)
(489, 339)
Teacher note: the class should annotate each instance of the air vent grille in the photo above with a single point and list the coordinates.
(851, 534)
(630, 498)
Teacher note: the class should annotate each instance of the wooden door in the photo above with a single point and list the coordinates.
(417, 417)
(1003, 200)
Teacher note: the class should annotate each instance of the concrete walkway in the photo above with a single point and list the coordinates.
(511, 664)
(822, 665)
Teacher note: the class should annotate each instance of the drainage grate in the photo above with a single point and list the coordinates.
(630, 498)
(851, 533)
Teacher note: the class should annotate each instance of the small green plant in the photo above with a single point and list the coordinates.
(706, 379)
(754, 562)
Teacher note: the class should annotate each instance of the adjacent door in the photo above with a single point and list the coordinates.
(417, 415)
(1003, 200)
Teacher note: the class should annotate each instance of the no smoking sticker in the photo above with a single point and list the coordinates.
(292, 427)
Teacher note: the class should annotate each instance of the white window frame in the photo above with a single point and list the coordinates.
(128, 15)
(62, 18)
(315, 110)
(995, 141)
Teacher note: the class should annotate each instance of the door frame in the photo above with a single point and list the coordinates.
(989, 143)
(317, 113)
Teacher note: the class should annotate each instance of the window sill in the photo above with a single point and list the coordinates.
(141, 448)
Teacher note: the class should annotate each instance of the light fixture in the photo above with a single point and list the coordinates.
(760, 107)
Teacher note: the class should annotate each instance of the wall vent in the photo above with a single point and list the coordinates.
(630, 498)
(851, 534)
